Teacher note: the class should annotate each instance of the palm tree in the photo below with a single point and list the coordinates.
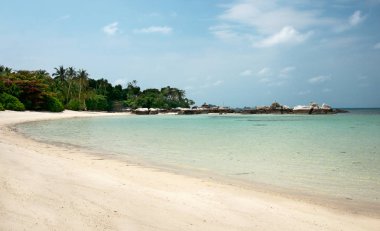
(70, 76)
(41, 74)
(60, 74)
(44, 77)
(83, 81)
(101, 86)
(132, 89)
(60, 82)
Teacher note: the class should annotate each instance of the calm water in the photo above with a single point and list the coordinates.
(334, 155)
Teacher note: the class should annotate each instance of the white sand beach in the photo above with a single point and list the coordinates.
(47, 187)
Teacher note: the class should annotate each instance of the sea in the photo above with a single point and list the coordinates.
(325, 156)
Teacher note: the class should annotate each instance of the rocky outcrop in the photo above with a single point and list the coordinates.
(141, 111)
(275, 108)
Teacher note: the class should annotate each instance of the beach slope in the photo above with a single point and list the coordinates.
(48, 187)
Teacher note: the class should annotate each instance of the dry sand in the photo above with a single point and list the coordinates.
(45, 187)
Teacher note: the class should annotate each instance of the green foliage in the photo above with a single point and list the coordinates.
(37, 90)
(130, 103)
(1, 107)
(97, 103)
(9, 86)
(53, 104)
(10, 102)
(28, 86)
(165, 98)
(74, 105)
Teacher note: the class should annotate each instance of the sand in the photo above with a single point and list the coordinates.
(46, 187)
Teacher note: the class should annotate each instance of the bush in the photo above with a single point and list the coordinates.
(53, 104)
(131, 103)
(10, 102)
(1, 107)
(97, 103)
(73, 105)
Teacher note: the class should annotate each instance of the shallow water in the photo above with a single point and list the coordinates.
(333, 155)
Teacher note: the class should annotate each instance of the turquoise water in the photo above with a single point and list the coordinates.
(334, 155)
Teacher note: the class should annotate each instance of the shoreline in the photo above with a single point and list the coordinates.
(344, 204)
(50, 187)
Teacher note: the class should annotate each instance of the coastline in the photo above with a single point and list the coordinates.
(49, 187)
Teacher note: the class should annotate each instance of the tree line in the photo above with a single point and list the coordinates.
(69, 88)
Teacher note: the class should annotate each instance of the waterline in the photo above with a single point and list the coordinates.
(335, 155)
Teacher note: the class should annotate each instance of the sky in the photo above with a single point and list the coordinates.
(225, 52)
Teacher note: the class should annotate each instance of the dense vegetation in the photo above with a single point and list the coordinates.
(75, 90)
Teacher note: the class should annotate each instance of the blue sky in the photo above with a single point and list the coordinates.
(235, 52)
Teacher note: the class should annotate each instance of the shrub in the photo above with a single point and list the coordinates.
(10, 102)
(97, 103)
(131, 103)
(53, 104)
(1, 107)
(73, 105)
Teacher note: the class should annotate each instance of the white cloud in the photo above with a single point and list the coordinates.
(246, 73)
(286, 71)
(287, 35)
(218, 82)
(377, 46)
(111, 29)
(264, 72)
(210, 84)
(356, 18)
(222, 27)
(229, 33)
(270, 23)
(268, 17)
(155, 29)
(319, 79)
(225, 34)
(272, 78)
